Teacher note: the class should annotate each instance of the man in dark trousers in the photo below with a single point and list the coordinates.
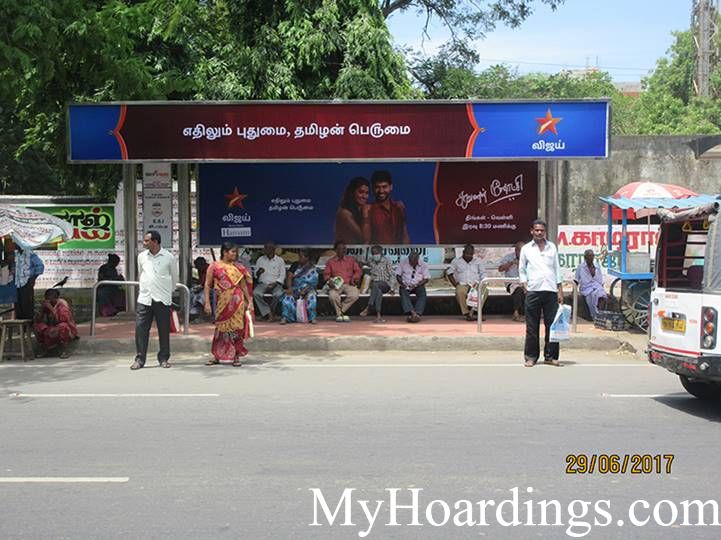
(158, 275)
(540, 274)
(28, 267)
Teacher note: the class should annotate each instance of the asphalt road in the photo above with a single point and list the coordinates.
(89, 449)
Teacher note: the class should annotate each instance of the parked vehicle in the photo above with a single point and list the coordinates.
(686, 299)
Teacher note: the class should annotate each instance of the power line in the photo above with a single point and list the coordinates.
(579, 66)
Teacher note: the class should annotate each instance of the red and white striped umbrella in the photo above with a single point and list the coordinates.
(648, 190)
(652, 190)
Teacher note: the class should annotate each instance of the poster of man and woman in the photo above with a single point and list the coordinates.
(391, 203)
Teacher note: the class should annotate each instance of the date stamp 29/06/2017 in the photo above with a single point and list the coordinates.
(619, 463)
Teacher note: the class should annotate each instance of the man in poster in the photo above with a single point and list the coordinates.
(386, 223)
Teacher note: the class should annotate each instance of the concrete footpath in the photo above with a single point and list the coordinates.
(434, 333)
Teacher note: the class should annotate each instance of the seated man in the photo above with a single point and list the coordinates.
(509, 268)
(345, 271)
(381, 281)
(270, 278)
(111, 298)
(590, 283)
(465, 272)
(55, 325)
(412, 275)
(197, 282)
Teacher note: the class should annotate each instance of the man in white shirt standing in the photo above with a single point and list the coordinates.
(158, 275)
(270, 276)
(540, 275)
(464, 272)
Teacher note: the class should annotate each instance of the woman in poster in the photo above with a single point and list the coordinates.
(233, 286)
(55, 325)
(353, 212)
(299, 302)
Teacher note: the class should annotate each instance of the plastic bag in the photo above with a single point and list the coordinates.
(472, 298)
(335, 283)
(249, 330)
(301, 313)
(174, 322)
(561, 327)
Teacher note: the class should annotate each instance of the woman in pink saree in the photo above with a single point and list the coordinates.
(54, 324)
(233, 286)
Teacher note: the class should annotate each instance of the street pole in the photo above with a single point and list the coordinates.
(184, 241)
(130, 222)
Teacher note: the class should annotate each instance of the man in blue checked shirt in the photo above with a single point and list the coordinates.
(28, 266)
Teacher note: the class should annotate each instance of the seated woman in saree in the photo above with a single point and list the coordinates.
(299, 302)
(233, 286)
(55, 325)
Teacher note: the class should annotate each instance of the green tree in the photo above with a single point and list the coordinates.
(89, 50)
(467, 20)
(669, 104)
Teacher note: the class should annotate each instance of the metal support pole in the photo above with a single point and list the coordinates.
(130, 222)
(554, 208)
(486, 281)
(181, 286)
(185, 253)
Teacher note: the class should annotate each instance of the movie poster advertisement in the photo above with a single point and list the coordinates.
(390, 203)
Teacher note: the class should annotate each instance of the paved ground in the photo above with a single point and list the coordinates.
(436, 333)
(217, 452)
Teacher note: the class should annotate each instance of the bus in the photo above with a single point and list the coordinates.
(686, 299)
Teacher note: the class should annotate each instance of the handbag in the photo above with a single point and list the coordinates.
(561, 327)
(174, 322)
(249, 331)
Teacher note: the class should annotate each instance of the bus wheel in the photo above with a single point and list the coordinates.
(700, 389)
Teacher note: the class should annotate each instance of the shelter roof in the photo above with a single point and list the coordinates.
(658, 202)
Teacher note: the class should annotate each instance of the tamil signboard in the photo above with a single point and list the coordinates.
(391, 203)
(157, 201)
(94, 225)
(337, 131)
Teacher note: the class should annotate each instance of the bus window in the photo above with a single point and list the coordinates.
(681, 255)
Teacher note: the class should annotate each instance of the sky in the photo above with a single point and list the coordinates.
(623, 37)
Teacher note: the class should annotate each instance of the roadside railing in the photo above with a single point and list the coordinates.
(504, 280)
(182, 286)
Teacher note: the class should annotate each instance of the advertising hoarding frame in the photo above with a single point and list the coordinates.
(605, 100)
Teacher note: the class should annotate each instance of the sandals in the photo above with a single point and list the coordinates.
(379, 321)
(212, 362)
(237, 363)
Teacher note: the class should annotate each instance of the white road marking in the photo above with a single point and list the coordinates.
(64, 480)
(643, 396)
(518, 365)
(23, 394)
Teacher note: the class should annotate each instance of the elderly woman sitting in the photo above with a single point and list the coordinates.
(54, 324)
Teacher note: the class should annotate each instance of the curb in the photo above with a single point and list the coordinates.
(194, 344)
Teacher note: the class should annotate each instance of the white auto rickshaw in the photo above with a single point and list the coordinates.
(686, 299)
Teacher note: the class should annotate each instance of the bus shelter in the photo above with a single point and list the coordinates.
(461, 171)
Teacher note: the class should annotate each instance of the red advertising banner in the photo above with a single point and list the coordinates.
(496, 202)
